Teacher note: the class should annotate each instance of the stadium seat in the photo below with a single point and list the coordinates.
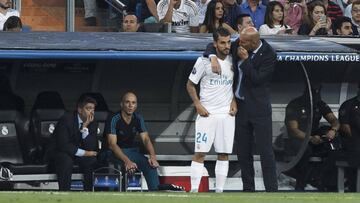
(9, 99)
(14, 127)
(16, 149)
(47, 110)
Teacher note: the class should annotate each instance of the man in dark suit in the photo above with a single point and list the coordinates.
(76, 143)
(254, 63)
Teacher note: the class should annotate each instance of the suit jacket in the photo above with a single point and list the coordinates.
(68, 138)
(257, 74)
(255, 83)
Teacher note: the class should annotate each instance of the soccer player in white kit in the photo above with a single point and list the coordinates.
(216, 107)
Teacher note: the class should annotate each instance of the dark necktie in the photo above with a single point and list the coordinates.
(251, 55)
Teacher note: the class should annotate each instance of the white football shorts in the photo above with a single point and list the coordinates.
(218, 129)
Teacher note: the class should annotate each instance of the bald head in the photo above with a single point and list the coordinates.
(250, 31)
(128, 94)
(249, 38)
(128, 103)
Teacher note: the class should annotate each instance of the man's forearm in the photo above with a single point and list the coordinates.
(149, 147)
(119, 153)
(152, 8)
(192, 92)
(168, 16)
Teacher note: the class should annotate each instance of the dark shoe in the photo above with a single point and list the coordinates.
(171, 187)
(91, 21)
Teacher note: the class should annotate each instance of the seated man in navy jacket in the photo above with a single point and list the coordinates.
(122, 130)
(76, 143)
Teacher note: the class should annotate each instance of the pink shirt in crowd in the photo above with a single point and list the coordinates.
(294, 15)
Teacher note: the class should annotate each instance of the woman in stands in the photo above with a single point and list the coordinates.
(214, 18)
(316, 22)
(274, 20)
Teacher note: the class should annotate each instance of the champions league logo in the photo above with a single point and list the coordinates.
(193, 71)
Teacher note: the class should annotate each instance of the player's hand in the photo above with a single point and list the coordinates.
(153, 162)
(89, 119)
(215, 66)
(315, 139)
(200, 109)
(90, 153)
(233, 108)
(130, 167)
(242, 53)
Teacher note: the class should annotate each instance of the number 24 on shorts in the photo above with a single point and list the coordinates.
(201, 137)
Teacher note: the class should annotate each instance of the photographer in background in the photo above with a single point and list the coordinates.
(320, 143)
(349, 116)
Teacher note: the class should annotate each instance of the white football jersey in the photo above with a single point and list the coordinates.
(216, 91)
(3, 18)
(186, 16)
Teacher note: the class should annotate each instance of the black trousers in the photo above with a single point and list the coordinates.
(64, 168)
(259, 130)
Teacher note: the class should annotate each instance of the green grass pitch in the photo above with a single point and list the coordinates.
(147, 197)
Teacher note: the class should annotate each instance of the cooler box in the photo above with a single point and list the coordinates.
(180, 175)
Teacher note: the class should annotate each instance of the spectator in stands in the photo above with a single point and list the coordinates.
(343, 4)
(148, 11)
(13, 24)
(349, 116)
(90, 8)
(6, 11)
(255, 10)
(216, 110)
(344, 27)
(182, 14)
(294, 11)
(316, 22)
(296, 120)
(332, 9)
(348, 8)
(75, 142)
(274, 20)
(214, 18)
(244, 21)
(232, 11)
(355, 14)
(130, 23)
(202, 5)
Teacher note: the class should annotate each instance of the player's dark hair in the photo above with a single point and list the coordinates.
(223, 32)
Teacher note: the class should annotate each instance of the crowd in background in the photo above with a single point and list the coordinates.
(270, 17)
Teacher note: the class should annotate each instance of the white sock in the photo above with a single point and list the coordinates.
(196, 174)
(221, 171)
